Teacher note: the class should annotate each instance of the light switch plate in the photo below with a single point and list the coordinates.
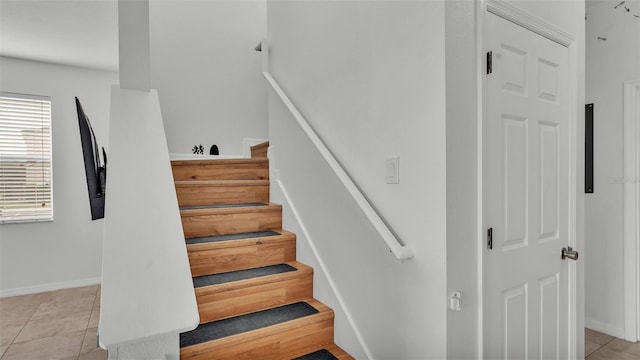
(393, 170)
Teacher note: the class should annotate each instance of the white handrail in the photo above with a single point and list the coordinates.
(401, 251)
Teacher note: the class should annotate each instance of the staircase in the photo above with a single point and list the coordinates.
(254, 299)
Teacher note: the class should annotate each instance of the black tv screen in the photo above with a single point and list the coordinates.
(95, 171)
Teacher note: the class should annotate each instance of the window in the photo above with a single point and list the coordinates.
(25, 158)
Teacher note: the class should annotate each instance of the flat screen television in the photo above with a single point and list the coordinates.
(95, 170)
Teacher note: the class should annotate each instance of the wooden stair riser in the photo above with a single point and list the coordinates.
(215, 305)
(277, 342)
(237, 169)
(190, 194)
(235, 221)
(260, 150)
(215, 259)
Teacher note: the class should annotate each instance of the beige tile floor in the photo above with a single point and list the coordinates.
(62, 325)
(56, 325)
(599, 346)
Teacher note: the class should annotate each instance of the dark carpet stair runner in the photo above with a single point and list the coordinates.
(216, 238)
(318, 355)
(243, 323)
(214, 279)
(244, 261)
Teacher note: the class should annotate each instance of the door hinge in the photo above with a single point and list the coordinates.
(490, 238)
(489, 62)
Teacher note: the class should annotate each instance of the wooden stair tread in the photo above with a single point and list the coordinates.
(226, 240)
(243, 296)
(286, 335)
(240, 326)
(229, 209)
(297, 268)
(239, 239)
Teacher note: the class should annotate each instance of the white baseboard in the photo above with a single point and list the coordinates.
(49, 287)
(604, 328)
(323, 267)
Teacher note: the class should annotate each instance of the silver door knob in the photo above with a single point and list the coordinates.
(568, 252)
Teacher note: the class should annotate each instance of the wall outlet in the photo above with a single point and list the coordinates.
(393, 170)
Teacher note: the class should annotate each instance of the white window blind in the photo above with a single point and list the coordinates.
(25, 158)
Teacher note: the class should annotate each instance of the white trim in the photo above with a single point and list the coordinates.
(400, 250)
(31, 103)
(265, 55)
(521, 18)
(631, 209)
(323, 267)
(604, 328)
(576, 269)
(49, 287)
(16, 95)
(529, 22)
(480, 84)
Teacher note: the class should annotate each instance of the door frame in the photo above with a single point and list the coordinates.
(576, 165)
(631, 182)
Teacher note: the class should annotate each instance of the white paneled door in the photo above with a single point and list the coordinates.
(526, 140)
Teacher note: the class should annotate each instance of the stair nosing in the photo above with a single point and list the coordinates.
(218, 161)
(220, 183)
(230, 210)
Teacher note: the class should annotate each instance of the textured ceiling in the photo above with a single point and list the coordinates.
(71, 32)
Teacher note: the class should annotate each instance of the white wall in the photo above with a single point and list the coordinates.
(344, 333)
(369, 77)
(67, 251)
(609, 64)
(206, 72)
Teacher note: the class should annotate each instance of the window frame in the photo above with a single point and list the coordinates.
(42, 157)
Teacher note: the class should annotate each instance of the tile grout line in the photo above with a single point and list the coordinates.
(23, 326)
(86, 330)
(600, 347)
(594, 351)
(21, 329)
